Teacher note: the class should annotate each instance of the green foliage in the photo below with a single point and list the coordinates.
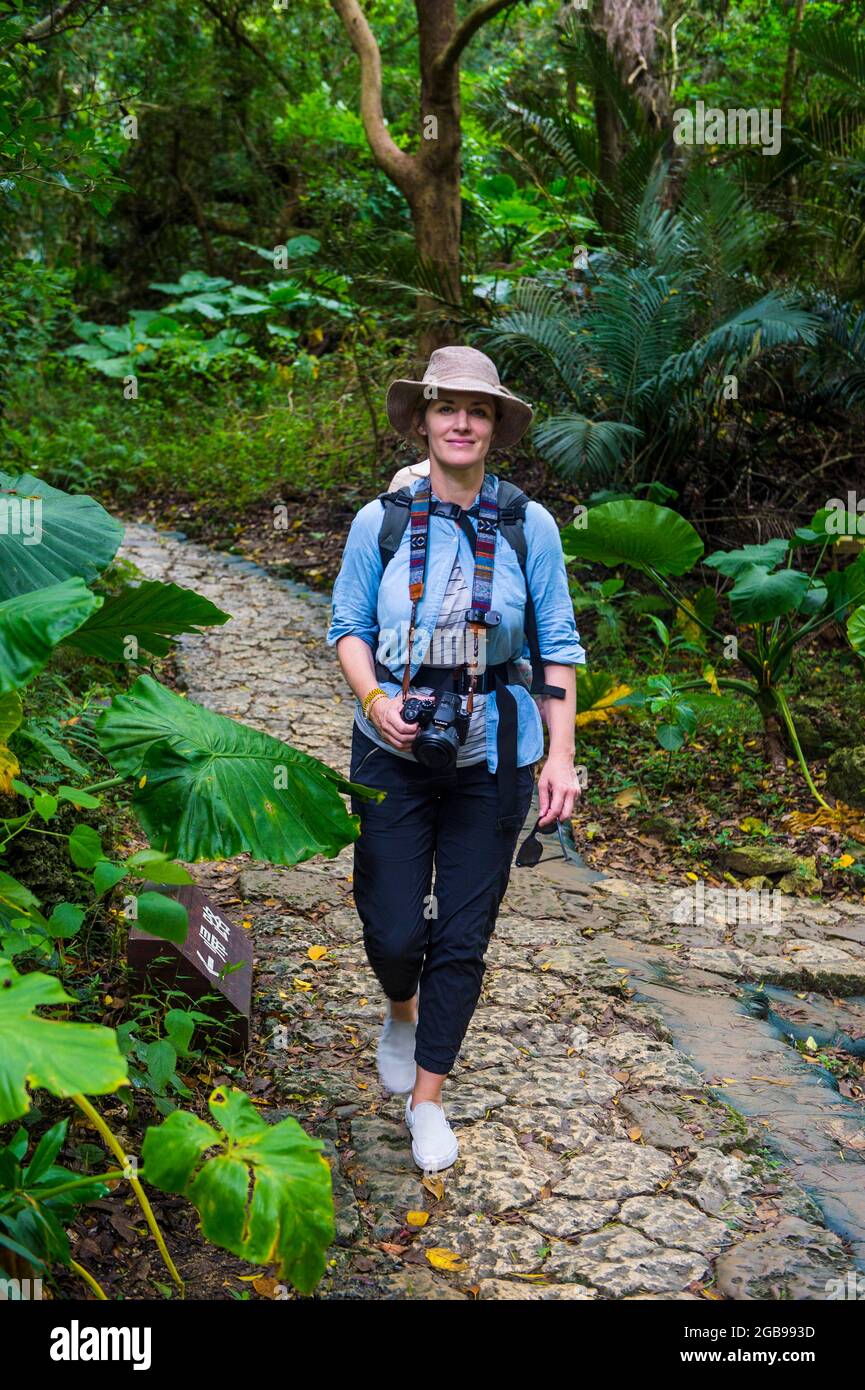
(776, 608)
(287, 1219)
(39, 1198)
(64, 1058)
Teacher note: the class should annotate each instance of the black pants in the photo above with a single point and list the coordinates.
(414, 933)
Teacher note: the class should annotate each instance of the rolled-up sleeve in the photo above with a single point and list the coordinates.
(354, 601)
(548, 584)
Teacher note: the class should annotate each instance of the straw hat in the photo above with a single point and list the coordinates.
(459, 369)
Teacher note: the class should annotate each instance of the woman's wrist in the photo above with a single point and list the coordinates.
(370, 698)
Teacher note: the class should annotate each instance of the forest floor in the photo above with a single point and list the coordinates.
(627, 1128)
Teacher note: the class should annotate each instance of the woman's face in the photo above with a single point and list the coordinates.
(459, 428)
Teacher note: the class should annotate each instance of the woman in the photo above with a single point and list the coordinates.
(409, 619)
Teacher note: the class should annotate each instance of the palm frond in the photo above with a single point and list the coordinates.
(588, 450)
(771, 322)
(838, 50)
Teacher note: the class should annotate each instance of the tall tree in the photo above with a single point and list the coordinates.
(429, 178)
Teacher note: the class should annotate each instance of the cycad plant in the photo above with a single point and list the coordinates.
(637, 365)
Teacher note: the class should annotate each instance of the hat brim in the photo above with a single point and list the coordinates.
(403, 396)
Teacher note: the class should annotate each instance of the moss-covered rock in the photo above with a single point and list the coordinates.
(752, 860)
(821, 731)
(845, 775)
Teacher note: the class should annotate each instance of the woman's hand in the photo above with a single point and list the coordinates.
(386, 716)
(558, 788)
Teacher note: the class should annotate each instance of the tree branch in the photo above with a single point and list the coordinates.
(45, 28)
(234, 28)
(450, 56)
(398, 165)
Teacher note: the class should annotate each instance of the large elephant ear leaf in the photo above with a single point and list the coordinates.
(731, 562)
(31, 626)
(210, 788)
(65, 1058)
(760, 597)
(50, 536)
(288, 1218)
(152, 613)
(856, 629)
(629, 532)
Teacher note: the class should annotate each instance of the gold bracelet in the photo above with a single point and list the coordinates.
(370, 699)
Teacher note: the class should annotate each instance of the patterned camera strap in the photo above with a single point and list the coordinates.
(482, 584)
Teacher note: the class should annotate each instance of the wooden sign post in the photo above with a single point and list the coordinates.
(214, 944)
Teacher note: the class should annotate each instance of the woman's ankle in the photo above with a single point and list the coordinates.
(404, 1011)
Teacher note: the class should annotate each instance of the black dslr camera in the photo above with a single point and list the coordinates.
(443, 727)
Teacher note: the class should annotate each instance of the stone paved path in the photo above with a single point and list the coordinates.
(595, 1162)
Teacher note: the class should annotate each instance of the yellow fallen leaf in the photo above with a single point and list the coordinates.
(844, 862)
(635, 1133)
(266, 1286)
(417, 1218)
(435, 1185)
(363, 1001)
(9, 768)
(302, 984)
(629, 796)
(440, 1258)
(246, 924)
(316, 952)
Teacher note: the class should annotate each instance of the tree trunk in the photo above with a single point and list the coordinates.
(435, 198)
(429, 179)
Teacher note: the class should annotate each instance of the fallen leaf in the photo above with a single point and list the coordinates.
(440, 1258)
(417, 1218)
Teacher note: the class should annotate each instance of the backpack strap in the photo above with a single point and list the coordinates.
(512, 517)
(511, 521)
(397, 509)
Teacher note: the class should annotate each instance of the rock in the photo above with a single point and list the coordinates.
(546, 1081)
(804, 880)
(751, 860)
(649, 1062)
(720, 1184)
(614, 1169)
(661, 826)
(489, 1250)
(658, 1128)
(560, 1216)
(296, 889)
(675, 1224)
(533, 1292)
(619, 1261)
(821, 731)
(346, 1212)
(793, 1260)
(415, 1282)
(494, 1173)
(845, 776)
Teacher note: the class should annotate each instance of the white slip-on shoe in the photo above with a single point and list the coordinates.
(433, 1143)
(395, 1055)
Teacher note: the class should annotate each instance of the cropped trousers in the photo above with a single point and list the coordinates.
(416, 931)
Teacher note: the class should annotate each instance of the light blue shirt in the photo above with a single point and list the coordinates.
(377, 607)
